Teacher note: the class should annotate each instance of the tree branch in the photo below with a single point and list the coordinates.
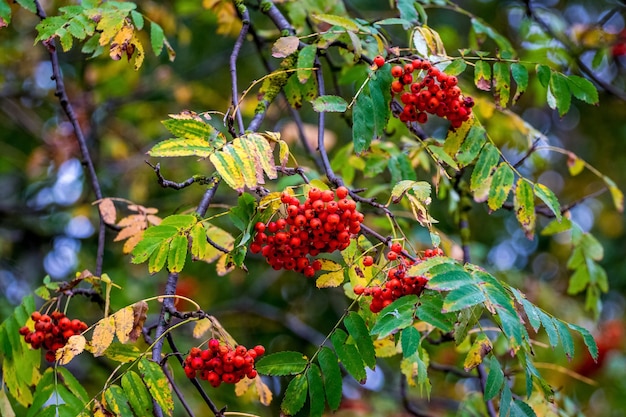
(66, 105)
(245, 19)
(200, 179)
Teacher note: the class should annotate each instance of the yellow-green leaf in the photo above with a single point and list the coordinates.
(182, 147)
(201, 327)
(330, 279)
(500, 186)
(159, 257)
(116, 401)
(482, 75)
(548, 197)
(124, 322)
(138, 396)
(177, 254)
(334, 20)
(306, 58)
(157, 384)
(501, 84)
(481, 347)
(222, 238)
(74, 346)
(616, 193)
(524, 205)
(487, 161)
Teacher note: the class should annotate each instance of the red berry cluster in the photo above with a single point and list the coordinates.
(325, 222)
(51, 332)
(436, 93)
(398, 282)
(221, 363)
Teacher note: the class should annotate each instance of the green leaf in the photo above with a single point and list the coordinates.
(396, 316)
(452, 277)
(472, 145)
(524, 206)
(543, 73)
(177, 254)
(501, 83)
(138, 396)
(28, 5)
(482, 75)
(179, 221)
(316, 391)
(442, 156)
(159, 257)
(156, 38)
(123, 353)
(455, 67)
(410, 340)
(116, 401)
(566, 338)
(407, 10)
(5, 12)
(157, 384)
(582, 89)
(547, 196)
(587, 338)
(550, 327)
(199, 243)
(463, 297)
(343, 22)
(306, 58)
(295, 395)
(579, 280)
(505, 401)
(282, 363)
(73, 385)
(332, 377)
(501, 185)
(329, 103)
(429, 310)
(520, 76)
(358, 331)
(556, 226)
(495, 379)
(363, 124)
(512, 327)
(138, 20)
(520, 409)
(487, 162)
(348, 355)
(482, 28)
(560, 90)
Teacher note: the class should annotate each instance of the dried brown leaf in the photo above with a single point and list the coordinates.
(140, 310)
(107, 210)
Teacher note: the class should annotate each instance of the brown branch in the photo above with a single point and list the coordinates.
(165, 183)
(245, 19)
(66, 105)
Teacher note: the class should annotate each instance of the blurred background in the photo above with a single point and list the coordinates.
(48, 222)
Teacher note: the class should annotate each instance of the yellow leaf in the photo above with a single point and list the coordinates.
(328, 265)
(243, 386)
(202, 326)
(102, 335)
(121, 42)
(74, 346)
(228, 22)
(223, 266)
(222, 238)
(409, 370)
(330, 279)
(386, 347)
(140, 54)
(481, 347)
(265, 394)
(140, 310)
(124, 323)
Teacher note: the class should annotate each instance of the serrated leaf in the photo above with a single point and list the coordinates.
(348, 355)
(480, 348)
(463, 297)
(407, 11)
(343, 22)
(547, 196)
(285, 46)
(455, 67)
(332, 377)
(359, 332)
(119, 352)
(548, 324)
(442, 156)
(138, 20)
(177, 254)
(410, 341)
(199, 243)
(305, 63)
(124, 322)
(281, 363)
(329, 103)
(501, 185)
(495, 379)
(543, 73)
(520, 76)
(487, 162)
(159, 257)
(582, 89)
(482, 75)
(520, 409)
(103, 334)
(116, 401)
(157, 384)
(501, 84)
(524, 206)
(156, 38)
(138, 396)
(316, 391)
(566, 338)
(560, 90)
(449, 277)
(395, 316)
(73, 347)
(587, 338)
(183, 147)
(295, 395)
(363, 124)
(429, 311)
(481, 28)
(472, 144)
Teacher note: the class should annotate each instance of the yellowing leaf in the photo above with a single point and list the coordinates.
(124, 322)
(102, 335)
(74, 346)
(222, 238)
(139, 52)
(386, 347)
(328, 265)
(243, 386)
(427, 42)
(264, 392)
(409, 370)
(202, 326)
(285, 46)
(121, 43)
(228, 22)
(330, 279)
(223, 265)
(157, 384)
(481, 347)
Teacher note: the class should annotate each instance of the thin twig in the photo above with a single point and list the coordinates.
(528, 153)
(66, 105)
(177, 391)
(165, 183)
(207, 197)
(245, 19)
(450, 370)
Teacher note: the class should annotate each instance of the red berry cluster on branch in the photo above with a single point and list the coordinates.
(51, 332)
(222, 363)
(325, 222)
(429, 91)
(398, 282)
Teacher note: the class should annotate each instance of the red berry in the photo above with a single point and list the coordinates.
(342, 192)
(36, 316)
(379, 61)
(392, 256)
(396, 86)
(396, 247)
(368, 260)
(397, 71)
(260, 350)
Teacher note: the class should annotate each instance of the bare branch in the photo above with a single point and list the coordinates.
(245, 19)
(200, 179)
